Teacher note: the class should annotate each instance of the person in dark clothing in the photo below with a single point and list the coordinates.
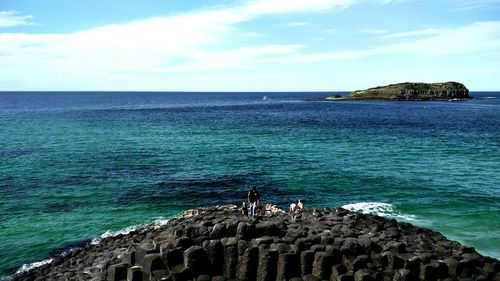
(253, 200)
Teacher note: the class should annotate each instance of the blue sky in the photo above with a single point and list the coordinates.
(258, 45)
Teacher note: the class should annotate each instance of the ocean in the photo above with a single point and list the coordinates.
(76, 166)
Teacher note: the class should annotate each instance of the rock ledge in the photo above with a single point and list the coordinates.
(219, 243)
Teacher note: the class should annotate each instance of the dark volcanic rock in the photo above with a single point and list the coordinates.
(220, 243)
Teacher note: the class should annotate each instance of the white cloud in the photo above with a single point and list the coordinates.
(475, 4)
(330, 30)
(416, 33)
(374, 31)
(202, 40)
(14, 18)
(199, 46)
(472, 38)
(141, 44)
(263, 7)
(232, 59)
(386, 2)
(295, 24)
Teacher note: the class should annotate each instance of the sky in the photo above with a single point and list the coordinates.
(253, 45)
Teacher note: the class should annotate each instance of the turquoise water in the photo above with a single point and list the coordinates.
(74, 166)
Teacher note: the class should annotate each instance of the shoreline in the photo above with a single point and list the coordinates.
(323, 231)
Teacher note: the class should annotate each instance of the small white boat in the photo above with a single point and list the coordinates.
(264, 98)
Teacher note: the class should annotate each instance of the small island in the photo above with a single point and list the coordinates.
(410, 92)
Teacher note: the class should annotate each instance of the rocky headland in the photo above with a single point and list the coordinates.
(220, 243)
(410, 91)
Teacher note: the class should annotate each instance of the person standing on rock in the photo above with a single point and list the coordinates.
(253, 200)
(300, 206)
(293, 209)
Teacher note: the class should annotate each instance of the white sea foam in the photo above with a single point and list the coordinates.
(109, 233)
(158, 221)
(30, 266)
(379, 209)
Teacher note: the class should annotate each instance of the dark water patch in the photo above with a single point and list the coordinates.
(155, 113)
(260, 157)
(310, 121)
(16, 189)
(68, 247)
(469, 197)
(16, 153)
(122, 173)
(131, 166)
(10, 271)
(208, 190)
(61, 207)
(76, 180)
(188, 190)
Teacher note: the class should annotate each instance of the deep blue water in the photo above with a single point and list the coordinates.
(76, 165)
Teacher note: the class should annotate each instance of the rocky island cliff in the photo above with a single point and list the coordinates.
(220, 243)
(411, 91)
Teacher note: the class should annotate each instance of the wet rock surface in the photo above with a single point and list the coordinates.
(219, 243)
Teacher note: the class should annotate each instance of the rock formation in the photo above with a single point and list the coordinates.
(220, 243)
(411, 91)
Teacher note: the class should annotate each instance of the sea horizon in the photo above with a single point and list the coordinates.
(188, 91)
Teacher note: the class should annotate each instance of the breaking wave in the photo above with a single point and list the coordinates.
(127, 230)
(95, 241)
(379, 209)
(30, 266)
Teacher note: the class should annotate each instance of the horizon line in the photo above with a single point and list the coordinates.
(207, 92)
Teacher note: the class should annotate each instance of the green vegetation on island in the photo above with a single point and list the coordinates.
(410, 91)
